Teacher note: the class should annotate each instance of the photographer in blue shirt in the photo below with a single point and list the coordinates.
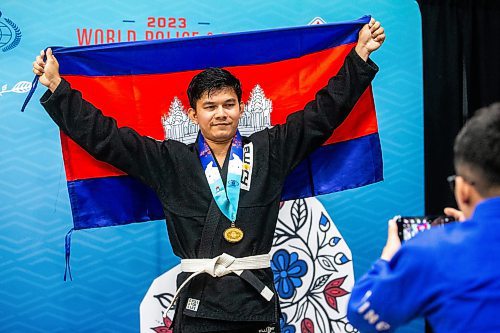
(450, 275)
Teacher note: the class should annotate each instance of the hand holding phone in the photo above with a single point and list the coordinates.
(409, 226)
(393, 243)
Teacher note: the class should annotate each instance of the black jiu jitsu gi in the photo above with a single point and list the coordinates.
(173, 170)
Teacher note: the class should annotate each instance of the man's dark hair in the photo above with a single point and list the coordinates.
(477, 149)
(212, 80)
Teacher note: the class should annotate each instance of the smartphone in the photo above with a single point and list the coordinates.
(409, 226)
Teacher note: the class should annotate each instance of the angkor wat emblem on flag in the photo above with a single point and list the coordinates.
(257, 116)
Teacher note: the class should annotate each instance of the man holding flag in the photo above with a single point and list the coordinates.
(221, 194)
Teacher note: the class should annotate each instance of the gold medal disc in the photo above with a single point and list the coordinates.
(233, 234)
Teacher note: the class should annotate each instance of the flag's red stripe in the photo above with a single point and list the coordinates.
(139, 101)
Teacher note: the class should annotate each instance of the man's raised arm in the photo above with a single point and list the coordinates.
(307, 130)
(99, 135)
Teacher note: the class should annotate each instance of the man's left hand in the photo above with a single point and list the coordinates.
(370, 38)
(393, 243)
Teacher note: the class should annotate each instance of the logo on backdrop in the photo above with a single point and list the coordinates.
(10, 34)
(257, 116)
(316, 20)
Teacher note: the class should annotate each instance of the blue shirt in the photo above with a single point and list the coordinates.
(449, 275)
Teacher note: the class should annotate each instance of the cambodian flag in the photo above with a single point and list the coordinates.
(143, 86)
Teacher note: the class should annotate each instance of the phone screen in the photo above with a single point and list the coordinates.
(409, 226)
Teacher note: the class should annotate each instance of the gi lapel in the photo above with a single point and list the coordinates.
(207, 242)
(212, 220)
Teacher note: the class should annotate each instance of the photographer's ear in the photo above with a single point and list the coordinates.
(461, 193)
(465, 194)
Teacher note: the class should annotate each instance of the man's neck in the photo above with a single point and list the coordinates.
(219, 149)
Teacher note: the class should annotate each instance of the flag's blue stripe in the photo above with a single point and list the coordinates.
(102, 202)
(337, 167)
(193, 53)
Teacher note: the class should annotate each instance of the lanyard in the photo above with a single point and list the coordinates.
(226, 197)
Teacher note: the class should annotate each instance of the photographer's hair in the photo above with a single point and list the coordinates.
(477, 151)
(212, 80)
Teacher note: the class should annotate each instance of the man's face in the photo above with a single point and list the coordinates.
(217, 115)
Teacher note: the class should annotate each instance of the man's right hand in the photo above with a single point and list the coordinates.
(48, 71)
(457, 214)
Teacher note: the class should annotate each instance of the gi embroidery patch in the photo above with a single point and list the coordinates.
(268, 329)
(192, 304)
(246, 174)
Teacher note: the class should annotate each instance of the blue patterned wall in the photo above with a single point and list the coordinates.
(113, 267)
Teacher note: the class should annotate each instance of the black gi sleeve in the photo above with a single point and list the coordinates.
(306, 130)
(124, 148)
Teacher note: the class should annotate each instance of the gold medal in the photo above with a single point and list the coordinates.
(233, 234)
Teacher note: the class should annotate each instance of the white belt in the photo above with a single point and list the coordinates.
(223, 265)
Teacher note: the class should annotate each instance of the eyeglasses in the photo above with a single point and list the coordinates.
(452, 181)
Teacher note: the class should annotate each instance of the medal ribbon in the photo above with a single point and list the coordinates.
(227, 197)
